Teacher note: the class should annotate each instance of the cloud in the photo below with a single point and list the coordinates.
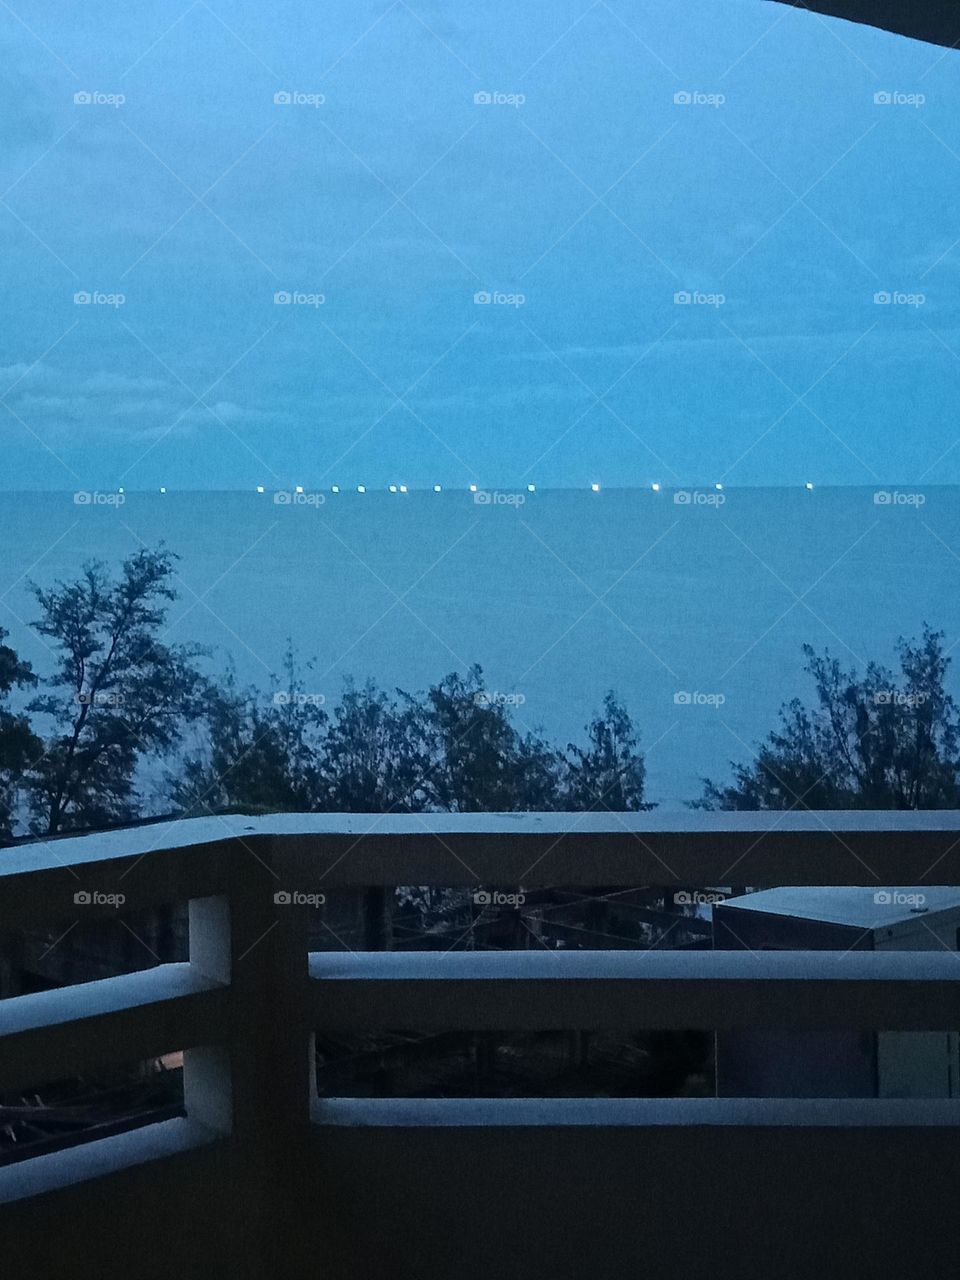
(104, 383)
(225, 410)
(52, 404)
(131, 408)
(105, 400)
(22, 371)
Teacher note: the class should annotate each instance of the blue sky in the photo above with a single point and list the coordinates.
(583, 198)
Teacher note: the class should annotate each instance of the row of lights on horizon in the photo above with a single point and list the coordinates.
(531, 488)
(402, 488)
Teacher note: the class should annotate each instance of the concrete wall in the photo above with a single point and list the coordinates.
(500, 1203)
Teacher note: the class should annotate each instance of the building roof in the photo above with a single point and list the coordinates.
(859, 906)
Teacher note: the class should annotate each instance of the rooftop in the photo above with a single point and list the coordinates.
(860, 906)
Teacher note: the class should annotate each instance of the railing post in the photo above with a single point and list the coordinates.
(210, 943)
(207, 1072)
(257, 1088)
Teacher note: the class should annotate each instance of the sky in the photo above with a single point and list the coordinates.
(562, 244)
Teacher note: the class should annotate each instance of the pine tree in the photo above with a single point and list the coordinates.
(117, 695)
(871, 741)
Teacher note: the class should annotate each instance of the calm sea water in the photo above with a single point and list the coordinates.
(560, 597)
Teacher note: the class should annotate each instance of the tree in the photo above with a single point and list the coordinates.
(452, 749)
(261, 752)
(478, 762)
(288, 753)
(117, 696)
(876, 741)
(19, 745)
(375, 754)
(610, 772)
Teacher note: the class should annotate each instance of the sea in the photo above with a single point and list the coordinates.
(691, 605)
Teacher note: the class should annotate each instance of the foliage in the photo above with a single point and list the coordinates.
(479, 762)
(454, 748)
(118, 694)
(19, 745)
(374, 756)
(876, 741)
(258, 752)
(610, 772)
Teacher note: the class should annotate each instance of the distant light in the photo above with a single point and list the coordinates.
(163, 489)
(361, 488)
(403, 488)
(120, 490)
(393, 488)
(259, 488)
(656, 486)
(718, 485)
(809, 485)
(531, 488)
(473, 488)
(436, 488)
(334, 488)
(595, 488)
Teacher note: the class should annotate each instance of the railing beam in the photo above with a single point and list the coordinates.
(661, 990)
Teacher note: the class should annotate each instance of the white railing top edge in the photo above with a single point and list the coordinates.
(655, 821)
(645, 966)
(691, 825)
(90, 1000)
(89, 1160)
(620, 1112)
(123, 842)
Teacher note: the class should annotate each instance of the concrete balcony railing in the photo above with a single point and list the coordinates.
(261, 1178)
